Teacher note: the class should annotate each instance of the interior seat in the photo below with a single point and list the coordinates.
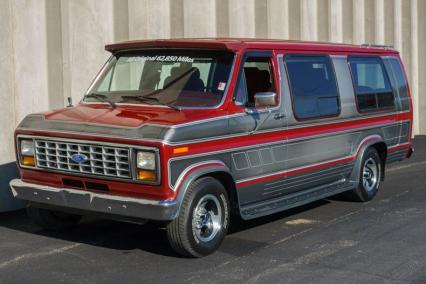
(174, 73)
(257, 81)
(194, 82)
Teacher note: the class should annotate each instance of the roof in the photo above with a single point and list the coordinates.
(236, 44)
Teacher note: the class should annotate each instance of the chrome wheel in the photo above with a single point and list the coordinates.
(370, 174)
(207, 218)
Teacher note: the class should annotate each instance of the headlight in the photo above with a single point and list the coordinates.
(27, 153)
(146, 161)
(146, 164)
(27, 147)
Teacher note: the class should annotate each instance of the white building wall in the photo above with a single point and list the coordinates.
(52, 49)
(87, 26)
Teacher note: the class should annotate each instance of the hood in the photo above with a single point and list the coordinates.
(125, 116)
(148, 123)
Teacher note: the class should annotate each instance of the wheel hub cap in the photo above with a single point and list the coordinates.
(370, 174)
(207, 218)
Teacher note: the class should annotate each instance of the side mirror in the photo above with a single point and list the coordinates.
(265, 99)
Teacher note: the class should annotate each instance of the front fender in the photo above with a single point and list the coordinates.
(192, 173)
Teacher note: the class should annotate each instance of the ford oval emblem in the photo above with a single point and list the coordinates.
(79, 158)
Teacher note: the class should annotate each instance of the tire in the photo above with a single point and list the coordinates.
(52, 220)
(370, 176)
(203, 220)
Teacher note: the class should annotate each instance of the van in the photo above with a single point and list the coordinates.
(193, 131)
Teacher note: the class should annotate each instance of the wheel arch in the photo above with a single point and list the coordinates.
(227, 180)
(377, 142)
(214, 168)
(382, 149)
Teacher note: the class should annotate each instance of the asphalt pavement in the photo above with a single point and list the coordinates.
(328, 241)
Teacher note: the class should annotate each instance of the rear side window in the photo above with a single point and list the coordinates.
(372, 88)
(313, 86)
(395, 70)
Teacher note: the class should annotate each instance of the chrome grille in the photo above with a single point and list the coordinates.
(102, 160)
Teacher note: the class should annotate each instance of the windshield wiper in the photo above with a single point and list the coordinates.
(146, 98)
(101, 98)
(149, 96)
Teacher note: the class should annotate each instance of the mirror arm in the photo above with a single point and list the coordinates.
(260, 123)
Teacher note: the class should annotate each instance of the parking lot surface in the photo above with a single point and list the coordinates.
(329, 241)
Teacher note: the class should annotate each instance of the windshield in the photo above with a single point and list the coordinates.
(175, 78)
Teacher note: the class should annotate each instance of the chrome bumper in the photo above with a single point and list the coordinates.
(95, 202)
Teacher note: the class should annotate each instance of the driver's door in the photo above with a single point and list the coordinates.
(264, 126)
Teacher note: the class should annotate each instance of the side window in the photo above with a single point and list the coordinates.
(257, 76)
(313, 86)
(401, 83)
(372, 88)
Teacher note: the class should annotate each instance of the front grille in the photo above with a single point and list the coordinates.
(101, 160)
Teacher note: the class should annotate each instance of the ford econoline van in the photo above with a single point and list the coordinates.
(194, 131)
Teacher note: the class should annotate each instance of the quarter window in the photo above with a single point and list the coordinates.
(400, 83)
(313, 86)
(372, 88)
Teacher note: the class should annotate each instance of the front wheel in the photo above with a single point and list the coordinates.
(370, 176)
(203, 220)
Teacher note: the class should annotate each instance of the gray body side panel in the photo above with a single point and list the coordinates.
(287, 155)
(292, 200)
(269, 190)
(396, 156)
(263, 160)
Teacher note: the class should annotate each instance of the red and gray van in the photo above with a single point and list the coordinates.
(194, 131)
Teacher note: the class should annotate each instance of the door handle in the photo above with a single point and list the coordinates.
(278, 116)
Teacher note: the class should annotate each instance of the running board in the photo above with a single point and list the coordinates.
(263, 208)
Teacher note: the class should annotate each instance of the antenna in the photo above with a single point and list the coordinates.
(69, 102)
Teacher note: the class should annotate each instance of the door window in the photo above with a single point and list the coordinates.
(256, 76)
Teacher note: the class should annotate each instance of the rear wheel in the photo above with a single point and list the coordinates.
(52, 220)
(203, 220)
(370, 176)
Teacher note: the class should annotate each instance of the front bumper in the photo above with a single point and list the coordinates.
(95, 202)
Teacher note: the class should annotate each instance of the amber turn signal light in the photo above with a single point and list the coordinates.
(28, 161)
(180, 150)
(147, 175)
